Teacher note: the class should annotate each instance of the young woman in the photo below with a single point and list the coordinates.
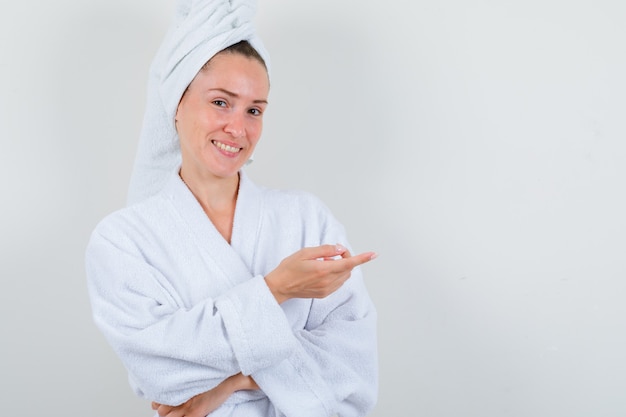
(224, 297)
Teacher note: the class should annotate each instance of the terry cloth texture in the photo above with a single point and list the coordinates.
(184, 310)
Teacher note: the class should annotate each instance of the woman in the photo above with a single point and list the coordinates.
(226, 298)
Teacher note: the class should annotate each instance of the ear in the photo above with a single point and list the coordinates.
(176, 117)
(180, 102)
(178, 108)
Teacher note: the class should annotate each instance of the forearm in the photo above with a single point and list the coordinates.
(171, 352)
(208, 401)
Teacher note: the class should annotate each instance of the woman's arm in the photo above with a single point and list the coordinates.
(320, 372)
(173, 353)
(207, 402)
(334, 369)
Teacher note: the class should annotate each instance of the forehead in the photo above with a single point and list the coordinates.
(233, 72)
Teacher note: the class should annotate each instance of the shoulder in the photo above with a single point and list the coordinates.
(126, 224)
(293, 199)
(303, 211)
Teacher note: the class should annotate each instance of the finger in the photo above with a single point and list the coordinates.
(323, 251)
(365, 257)
(346, 254)
(356, 260)
(176, 412)
(164, 410)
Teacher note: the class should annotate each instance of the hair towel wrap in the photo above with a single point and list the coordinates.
(201, 29)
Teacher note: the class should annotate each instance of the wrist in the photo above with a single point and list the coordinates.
(231, 384)
(240, 382)
(250, 383)
(270, 281)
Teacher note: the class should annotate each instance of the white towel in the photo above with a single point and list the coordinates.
(201, 29)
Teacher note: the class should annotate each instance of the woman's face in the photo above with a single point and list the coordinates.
(220, 116)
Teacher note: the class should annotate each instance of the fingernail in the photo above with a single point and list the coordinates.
(374, 256)
(340, 248)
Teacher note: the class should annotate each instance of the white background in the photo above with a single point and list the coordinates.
(478, 146)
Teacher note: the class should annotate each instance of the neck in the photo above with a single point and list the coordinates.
(218, 198)
(212, 193)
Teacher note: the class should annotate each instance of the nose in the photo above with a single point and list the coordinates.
(235, 126)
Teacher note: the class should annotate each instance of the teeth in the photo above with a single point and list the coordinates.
(226, 148)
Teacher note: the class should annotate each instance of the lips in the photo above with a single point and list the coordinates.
(226, 148)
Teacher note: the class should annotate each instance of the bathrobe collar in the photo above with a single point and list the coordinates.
(236, 260)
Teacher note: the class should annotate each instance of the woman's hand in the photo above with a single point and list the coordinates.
(203, 404)
(314, 272)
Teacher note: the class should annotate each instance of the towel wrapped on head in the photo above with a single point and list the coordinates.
(200, 30)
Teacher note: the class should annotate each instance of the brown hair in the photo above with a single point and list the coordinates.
(242, 48)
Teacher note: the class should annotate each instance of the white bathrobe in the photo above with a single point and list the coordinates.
(184, 310)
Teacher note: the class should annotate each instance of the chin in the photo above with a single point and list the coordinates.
(228, 173)
(224, 170)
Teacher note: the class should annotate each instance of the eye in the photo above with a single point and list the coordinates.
(220, 103)
(255, 112)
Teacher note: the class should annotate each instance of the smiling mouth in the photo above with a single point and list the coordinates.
(226, 148)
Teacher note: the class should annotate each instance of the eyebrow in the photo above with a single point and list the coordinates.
(235, 95)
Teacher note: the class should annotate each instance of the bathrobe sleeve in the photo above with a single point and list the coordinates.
(171, 352)
(334, 368)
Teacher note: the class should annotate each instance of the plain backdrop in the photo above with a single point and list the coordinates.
(478, 146)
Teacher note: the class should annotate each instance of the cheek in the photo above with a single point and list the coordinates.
(194, 126)
(255, 130)
(183, 129)
(182, 120)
